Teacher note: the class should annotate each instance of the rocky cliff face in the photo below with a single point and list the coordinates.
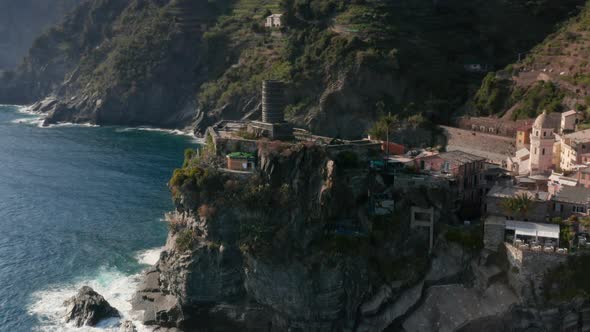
(289, 247)
(292, 247)
(114, 62)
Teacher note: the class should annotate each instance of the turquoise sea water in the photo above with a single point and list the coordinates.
(78, 205)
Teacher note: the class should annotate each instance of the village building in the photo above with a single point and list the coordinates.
(462, 169)
(553, 144)
(241, 161)
(574, 149)
(538, 211)
(391, 148)
(558, 180)
(274, 21)
(571, 201)
(569, 121)
(492, 125)
(519, 164)
(583, 176)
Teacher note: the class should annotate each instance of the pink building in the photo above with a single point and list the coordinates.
(464, 171)
(583, 177)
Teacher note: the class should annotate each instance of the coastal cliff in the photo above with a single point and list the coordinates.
(293, 246)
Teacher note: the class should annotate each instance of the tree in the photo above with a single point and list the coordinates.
(518, 205)
(382, 126)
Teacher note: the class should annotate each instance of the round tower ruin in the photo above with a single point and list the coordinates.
(273, 101)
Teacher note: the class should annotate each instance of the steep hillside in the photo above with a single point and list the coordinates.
(23, 21)
(176, 63)
(349, 63)
(554, 75)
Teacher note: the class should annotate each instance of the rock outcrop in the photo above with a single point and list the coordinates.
(88, 308)
(291, 247)
(127, 326)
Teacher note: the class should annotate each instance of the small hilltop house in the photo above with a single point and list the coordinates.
(273, 21)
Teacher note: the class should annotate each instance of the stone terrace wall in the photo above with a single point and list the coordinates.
(528, 268)
(493, 235)
(364, 151)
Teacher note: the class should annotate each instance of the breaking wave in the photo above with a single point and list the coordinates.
(115, 286)
(168, 131)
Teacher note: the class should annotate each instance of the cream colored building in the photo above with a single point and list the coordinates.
(569, 120)
(273, 21)
(572, 147)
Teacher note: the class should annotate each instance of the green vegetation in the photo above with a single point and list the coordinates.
(541, 96)
(347, 159)
(497, 95)
(493, 96)
(569, 280)
(241, 155)
(566, 230)
(518, 205)
(392, 123)
(185, 240)
(470, 238)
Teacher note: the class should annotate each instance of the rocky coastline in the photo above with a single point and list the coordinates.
(271, 251)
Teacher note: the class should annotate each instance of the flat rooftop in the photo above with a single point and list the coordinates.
(579, 136)
(511, 191)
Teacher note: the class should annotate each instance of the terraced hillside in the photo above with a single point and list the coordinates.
(346, 63)
(554, 75)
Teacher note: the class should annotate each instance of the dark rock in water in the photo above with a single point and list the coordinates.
(127, 326)
(88, 308)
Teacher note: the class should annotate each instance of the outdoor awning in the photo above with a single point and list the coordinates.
(533, 229)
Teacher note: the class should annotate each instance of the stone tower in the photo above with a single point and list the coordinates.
(542, 139)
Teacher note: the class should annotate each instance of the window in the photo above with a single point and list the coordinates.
(544, 133)
(543, 151)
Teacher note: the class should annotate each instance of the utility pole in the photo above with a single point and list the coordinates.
(387, 136)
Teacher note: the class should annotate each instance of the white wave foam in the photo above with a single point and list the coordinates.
(69, 124)
(26, 109)
(168, 131)
(116, 287)
(36, 121)
(149, 257)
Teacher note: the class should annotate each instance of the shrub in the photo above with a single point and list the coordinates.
(347, 159)
(185, 240)
(471, 239)
(493, 95)
(569, 280)
(541, 96)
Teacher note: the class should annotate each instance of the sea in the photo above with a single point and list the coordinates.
(79, 205)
